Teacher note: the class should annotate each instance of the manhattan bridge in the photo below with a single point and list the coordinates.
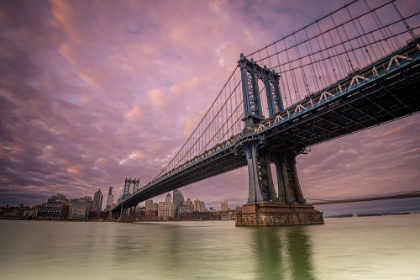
(352, 69)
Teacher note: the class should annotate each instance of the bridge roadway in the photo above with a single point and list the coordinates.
(384, 91)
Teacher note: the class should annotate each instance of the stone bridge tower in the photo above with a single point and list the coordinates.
(265, 206)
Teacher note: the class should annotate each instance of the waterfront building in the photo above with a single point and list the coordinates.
(97, 201)
(155, 207)
(80, 208)
(110, 199)
(166, 209)
(57, 208)
(202, 207)
(197, 205)
(184, 208)
(53, 211)
(224, 206)
(151, 216)
(31, 212)
(189, 203)
(148, 204)
(225, 217)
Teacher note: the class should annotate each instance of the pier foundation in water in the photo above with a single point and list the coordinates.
(262, 214)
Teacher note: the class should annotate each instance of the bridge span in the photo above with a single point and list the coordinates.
(267, 115)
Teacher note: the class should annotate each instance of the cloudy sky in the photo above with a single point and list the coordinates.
(92, 92)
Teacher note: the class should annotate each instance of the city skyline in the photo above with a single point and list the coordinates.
(92, 94)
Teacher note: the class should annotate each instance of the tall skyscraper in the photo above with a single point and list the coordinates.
(197, 205)
(225, 206)
(202, 206)
(110, 199)
(97, 200)
(178, 198)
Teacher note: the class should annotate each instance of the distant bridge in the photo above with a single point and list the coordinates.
(338, 201)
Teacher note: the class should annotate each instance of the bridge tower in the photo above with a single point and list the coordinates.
(130, 187)
(265, 207)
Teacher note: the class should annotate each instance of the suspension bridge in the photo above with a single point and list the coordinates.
(355, 68)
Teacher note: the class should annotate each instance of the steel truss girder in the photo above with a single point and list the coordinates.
(346, 105)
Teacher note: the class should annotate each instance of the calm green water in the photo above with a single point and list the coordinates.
(385, 247)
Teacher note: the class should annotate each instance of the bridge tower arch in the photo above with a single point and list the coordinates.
(251, 73)
(265, 207)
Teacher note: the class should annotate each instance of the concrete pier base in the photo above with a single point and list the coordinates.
(263, 214)
(125, 219)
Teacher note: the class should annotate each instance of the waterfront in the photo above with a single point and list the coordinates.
(385, 247)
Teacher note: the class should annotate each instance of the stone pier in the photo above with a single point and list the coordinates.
(264, 214)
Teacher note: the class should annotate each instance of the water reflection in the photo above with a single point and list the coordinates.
(211, 250)
(300, 253)
(283, 253)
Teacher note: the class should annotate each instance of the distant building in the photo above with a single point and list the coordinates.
(97, 201)
(110, 199)
(57, 208)
(166, 209)
(189, 203)
(197, 205)
(53, 211)
(58, 198)
(151, 216)
(155, 207)
(224, 206)
(80, 208)
(148, 204)
(184, 208)
(202, 207)
(178, 200)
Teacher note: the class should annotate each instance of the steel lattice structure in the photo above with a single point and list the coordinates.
(352, 69)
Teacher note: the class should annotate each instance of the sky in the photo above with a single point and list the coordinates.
(92, 92)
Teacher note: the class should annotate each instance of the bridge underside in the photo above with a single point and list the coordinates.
(383, 101)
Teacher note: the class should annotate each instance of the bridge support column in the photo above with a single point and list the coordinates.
(264, 208)
(261, 187)
(127, 214)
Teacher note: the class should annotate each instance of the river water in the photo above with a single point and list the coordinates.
(385, 247)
